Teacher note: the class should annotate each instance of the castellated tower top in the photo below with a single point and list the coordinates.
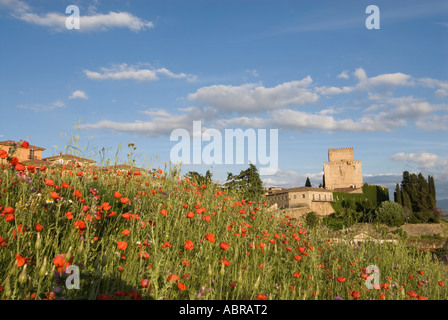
(341, 170)
(340, 154)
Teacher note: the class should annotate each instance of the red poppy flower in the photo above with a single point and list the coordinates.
(8, 210)
(225, 262)
(60, 263)
(124, 200)
(189, 245)
(122, 245)
(54, 195)
(25, 145)
(296, 274)
(145, 283)
(163, 212)
(210, 237)
(224, 245)
(261, 297)
(341, 279)
(412, 294)
(117, 195)
(103, 297)
(39, 227)
(355, 294)
(173, 277)
(3, 154)
(143, 255)
(21, 260)
(69, 215)
(49, 182)
(166, 244)
(20, 167)
(190, 215)
(297, 257)
(421, 298)
(181, 286)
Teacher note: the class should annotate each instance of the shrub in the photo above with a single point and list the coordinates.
(311, 219)
(390, 213)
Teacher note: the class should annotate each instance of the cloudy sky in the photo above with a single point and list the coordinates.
(135, 71)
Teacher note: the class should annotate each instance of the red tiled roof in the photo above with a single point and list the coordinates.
(69, 157)
(12, 142)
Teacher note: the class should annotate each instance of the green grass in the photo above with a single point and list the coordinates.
(263, 250)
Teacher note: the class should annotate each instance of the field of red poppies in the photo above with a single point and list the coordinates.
(97, 233)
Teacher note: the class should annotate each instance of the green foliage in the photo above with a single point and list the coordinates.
(418, 195)
(199, 179)
(247, 183)
(311, 219)
(371, 197)
(397, 195)
(403, 235)
(390, 213)
(308, 182)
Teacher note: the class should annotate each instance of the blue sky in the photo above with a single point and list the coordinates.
(137, 70)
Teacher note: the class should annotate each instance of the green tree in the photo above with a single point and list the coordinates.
(397, 195)
(198, 178)
(248, 182)
(308, 182)
(406, 200)
(432, 190)
(390, 213)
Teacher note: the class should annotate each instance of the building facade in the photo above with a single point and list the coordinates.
(313, 199)
(342, 170)
(23, 154)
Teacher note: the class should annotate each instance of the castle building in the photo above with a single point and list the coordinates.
(342, 171)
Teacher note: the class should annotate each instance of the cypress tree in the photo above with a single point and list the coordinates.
(424, 199)
(432, 188)
(308, 182)
(406, 200)
(397, 195)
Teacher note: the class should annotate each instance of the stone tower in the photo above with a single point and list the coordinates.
(342, 170)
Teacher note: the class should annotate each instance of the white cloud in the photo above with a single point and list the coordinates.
(78, 94)
(292, 179)
(253, 122)
(15, 5)
(343, 75)
(56, 21)
(424, 160)
(138, 73)
(39, 107)
(255, 98)
(387, 80)
(302, 121)
(162, 123)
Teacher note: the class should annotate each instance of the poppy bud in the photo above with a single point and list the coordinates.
(22, 277)
(222, 269)
(38, 244)
(7, 287)
(257, 283)
(80, 248)
(42, 269)
(104, 260)
(68, 255)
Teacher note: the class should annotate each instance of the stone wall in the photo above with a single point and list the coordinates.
(341, 170)
(321, 208)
